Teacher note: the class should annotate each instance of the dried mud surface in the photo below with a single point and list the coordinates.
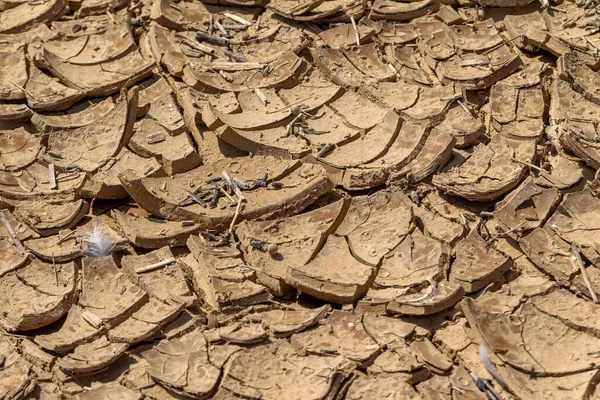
(328, 200)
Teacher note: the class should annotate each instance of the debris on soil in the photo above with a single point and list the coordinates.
(306, 200)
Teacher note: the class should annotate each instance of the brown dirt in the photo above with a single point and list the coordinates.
(253, 199)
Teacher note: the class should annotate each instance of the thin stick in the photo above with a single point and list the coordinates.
(12, 232)
(67, 177)
(196, 198)
(63, 238)
(155, 266)
(237, 19)
(235, 216)
(488, 51)
(52, 174)
(211, 28)
(226, 76)
(356, 34)
(211, 39)
(91, 319)
(299, 6)
(17, 336)
(325, 149)
(231, 199)
(55, 271)
(529, 165)
(508, 231)
(591, 44)
(289, 105)
(221, 29)
(241, 59)
(467, 109)
(233, 186)
(243, 266)
(112, 19)
(586, 278)
(557, 10)
(288, 127)
(197, 46)
(261, 96)
(23, 89)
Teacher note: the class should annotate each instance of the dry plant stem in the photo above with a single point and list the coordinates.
(52, 175)
(231, 199)
(298, 7)
(584, 273)
(325, 149)
(154, 266)
(240, 59)
(68, 176)
(238, 209)
(289, 105)
(591, 44)
(63, 238)
(136, 5)
(529, 165)
(55, 271)
(12, 233)
(261, 96)
(197, 46)
(17, 336)
(211, 39)
(220, 28)
(92, 319)
(233, 186)
(289, 126)
(488, 51)
(22, 88)
(467, 109)
(237, 19)
(356, 34)
(501, 234)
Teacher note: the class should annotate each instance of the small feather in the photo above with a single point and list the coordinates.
(489, 366)
(98, 243)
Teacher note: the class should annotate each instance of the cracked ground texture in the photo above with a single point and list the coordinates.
(290, 199)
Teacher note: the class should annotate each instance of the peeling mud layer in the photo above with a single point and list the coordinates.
(299, 199)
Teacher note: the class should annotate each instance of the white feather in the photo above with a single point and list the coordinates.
(98, 244)
(489, 366)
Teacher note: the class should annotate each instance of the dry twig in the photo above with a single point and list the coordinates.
(12, 233)
(155, 266)
(233, 186)
(52, 175)
(237, 19)
(356, 33)
(584, 274)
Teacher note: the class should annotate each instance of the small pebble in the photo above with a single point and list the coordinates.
(272, 249)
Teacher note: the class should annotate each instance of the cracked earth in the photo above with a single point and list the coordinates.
(320, 199)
